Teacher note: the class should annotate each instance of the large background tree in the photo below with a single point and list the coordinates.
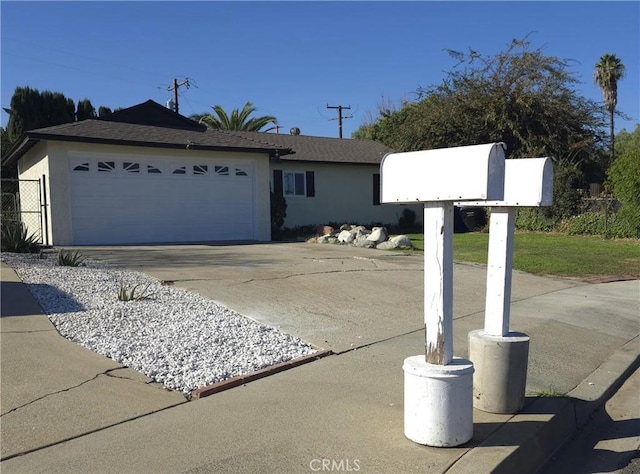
(31, 109)
(609, 71)
(85, 110)
(238, 120)
(519, 96)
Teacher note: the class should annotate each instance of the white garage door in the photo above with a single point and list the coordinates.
(140, 201)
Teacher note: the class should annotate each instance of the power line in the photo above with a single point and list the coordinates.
(340, 117)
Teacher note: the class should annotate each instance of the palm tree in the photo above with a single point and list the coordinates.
(238, 120)
(608, 71)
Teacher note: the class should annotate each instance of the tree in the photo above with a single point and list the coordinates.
(31, 109)
(238, 120)
(104, 111)
(85, 110)
(519, 96)
(609, 71)
(624, 178)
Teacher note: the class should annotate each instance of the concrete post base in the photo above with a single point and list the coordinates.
(500, 371)
(438, 406)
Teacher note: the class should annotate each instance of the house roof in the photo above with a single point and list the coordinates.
(323, 149)
(152, 125)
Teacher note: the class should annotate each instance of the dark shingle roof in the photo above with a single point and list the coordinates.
(152, 125)
(323, 149)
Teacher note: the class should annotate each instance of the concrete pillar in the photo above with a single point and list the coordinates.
(438, 405)
(500, 377)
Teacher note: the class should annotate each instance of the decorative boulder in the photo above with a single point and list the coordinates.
(378, 234)
(364, 243)
(402, 241)
(346, 237)
(328, 230)
(397, 242)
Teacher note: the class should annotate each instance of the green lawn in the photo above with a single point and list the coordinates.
(554, 254)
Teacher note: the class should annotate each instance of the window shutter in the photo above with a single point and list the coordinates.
(376, 189)
(311, 184)
(277, 182)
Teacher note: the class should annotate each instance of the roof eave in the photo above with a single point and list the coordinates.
(32, 138)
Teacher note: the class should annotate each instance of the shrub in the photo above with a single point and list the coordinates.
(624, 178)
(534, 219)
(126, 294)
(598, 223)
(278, 215)
(69, 259)
(14, 238)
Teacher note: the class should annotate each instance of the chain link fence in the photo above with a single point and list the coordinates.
(20, 201)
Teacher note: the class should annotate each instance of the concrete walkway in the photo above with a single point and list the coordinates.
(66, 409)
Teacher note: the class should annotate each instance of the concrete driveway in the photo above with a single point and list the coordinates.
(334, 297)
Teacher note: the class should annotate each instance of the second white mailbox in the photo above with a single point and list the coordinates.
(466, 173)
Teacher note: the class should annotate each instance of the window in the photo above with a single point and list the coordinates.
(106, 166)
(221, 170)
(130, 167)
(294, 183)
(82, 167)
(240, 172)
(180, 170)
(200, 169)
(153, 170)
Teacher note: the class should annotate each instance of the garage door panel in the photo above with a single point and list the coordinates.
(114, 208)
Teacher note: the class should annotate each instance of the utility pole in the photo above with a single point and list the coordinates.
(340, 109)
(175, 88)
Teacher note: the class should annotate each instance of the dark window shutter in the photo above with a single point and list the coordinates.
(376, 189)
(311, 184)
(277, 182)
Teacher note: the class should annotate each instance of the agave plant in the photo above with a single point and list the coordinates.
(70, 259)
(14, 237)
(126, 294)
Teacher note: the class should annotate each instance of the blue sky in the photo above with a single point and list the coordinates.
(292, 59)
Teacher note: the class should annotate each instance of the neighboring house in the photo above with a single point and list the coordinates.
(149, 175)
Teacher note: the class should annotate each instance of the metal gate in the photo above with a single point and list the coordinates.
(21, 201)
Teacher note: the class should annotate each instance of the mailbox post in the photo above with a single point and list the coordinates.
(500, 357)
(438, 391)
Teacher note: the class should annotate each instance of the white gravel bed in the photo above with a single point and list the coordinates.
(175, 337)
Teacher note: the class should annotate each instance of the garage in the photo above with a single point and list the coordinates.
(132, 200)
(147, 175)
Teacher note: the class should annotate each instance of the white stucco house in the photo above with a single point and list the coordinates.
(149, 175)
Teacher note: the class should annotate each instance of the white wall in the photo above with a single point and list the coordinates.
(34, 167)
(343, 194)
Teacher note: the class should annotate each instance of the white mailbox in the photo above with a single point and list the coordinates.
(466, 173)
(528, 182)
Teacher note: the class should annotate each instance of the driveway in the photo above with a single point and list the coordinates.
(334, 297)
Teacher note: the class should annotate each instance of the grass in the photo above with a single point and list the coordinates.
(554, 254)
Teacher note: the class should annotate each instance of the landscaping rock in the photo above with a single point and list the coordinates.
(378, 234)
(402, 241)
(346, 237)
(364, 243)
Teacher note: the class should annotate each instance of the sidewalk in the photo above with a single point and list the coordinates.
(66, 409)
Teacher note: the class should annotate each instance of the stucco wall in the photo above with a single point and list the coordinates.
(54, 159)
(343, 194)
